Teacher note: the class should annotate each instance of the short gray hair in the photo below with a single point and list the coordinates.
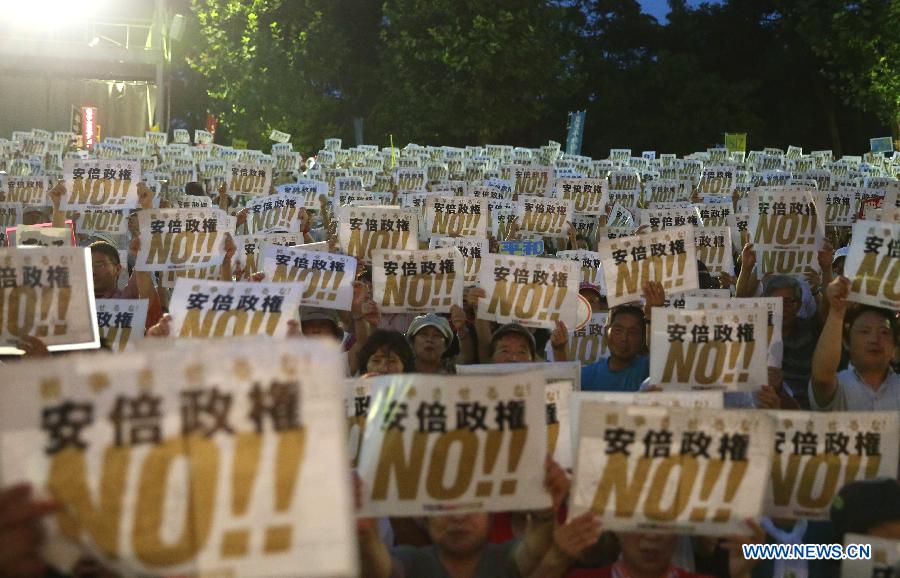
(777, 282)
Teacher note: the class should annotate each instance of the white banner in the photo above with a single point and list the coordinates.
(873, 264)
(680, 471)
(326, 278)
(190, 460)
(544, 216)
(456, 216)
(714, 249)
(173, 239)
(100, 184)
(533, 291)
(278, 213)
(232, 309)
(248, 178)
(364, 229)
(121, 322)
(47, 293)
(436, 444)
(787, 230)
(708, 349)
(471, 249)
(417, 281)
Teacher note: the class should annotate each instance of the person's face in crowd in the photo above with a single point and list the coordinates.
(871, 342)
(647, 554)
(790, 307)
(384, 361)
(106, 273)
(429, 344)
(625, 337)
(459, 536)
(318, 328)
(512, 348)
(597, 302)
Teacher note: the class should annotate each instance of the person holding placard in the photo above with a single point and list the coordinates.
(869, 383)
(460, 546)
(431, 337)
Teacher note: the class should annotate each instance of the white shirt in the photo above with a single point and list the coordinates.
(854, 395)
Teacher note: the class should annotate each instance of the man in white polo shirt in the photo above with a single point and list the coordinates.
(868, 383)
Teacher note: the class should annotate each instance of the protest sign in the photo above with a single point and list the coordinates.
(816, 454)
(838, 207)
(10, 216)
(682, 471)
(203, 137)
(201, 308)
(417, 281)
(28, 191)
(589, 195)
(47, 293)
(364, 229)
(357, 400)
(173, 239)
(42, 236)
(326, 279)
(193, 202)
(279, 137)
(559, 371)
(171, 465)
(667, 256)
(666, 190)
(278, 213)
(739, 223)
(591, 266)
(410, 179)
(772, 306)
(714, 214)
(667, 218)
(532, 291)
(455, 216)
(873, 264)
(547, 217)
(471, 250)
(714, 249)
(310, 194)
(787, 230)
(624, 188)
(99, 184)
(882, 561)
(436, 444)
(533, 180)
(521, 247)
(716, 180)
(102, 222)
(588, 344)
(557, 403)
(121, 322)
(248, 178)
(708, 349)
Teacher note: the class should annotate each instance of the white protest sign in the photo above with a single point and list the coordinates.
(28, 191)
(682, 471)
(173, 239)
(624, 188)
(588, 344)
(102, 223)
(668, 256)
(787, 230)
(533, 291)
(588, 195)
(714, 249)
(10, 216)
(435, 444)
(816, 454)
(410, 179)
(121, 322)
(772, 306)
(669, 217)
(591, 266)
(203, 137)
(455, 216)
(708, 349)
(278, 213)
(873, 264)
(533, 180)
(201, 308)
(100, 184)
(165, 464)
(883, 560)
(280, 137)
(547, 217)
(47, 293)
(364, 229)
(838, 207)
(326, 279)
(248, 178)
(471, 249)
(417, 281)
(310, 194)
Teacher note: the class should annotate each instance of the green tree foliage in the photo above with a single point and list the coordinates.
(819, 73)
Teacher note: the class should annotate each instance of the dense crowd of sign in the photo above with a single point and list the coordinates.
(658, 359)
